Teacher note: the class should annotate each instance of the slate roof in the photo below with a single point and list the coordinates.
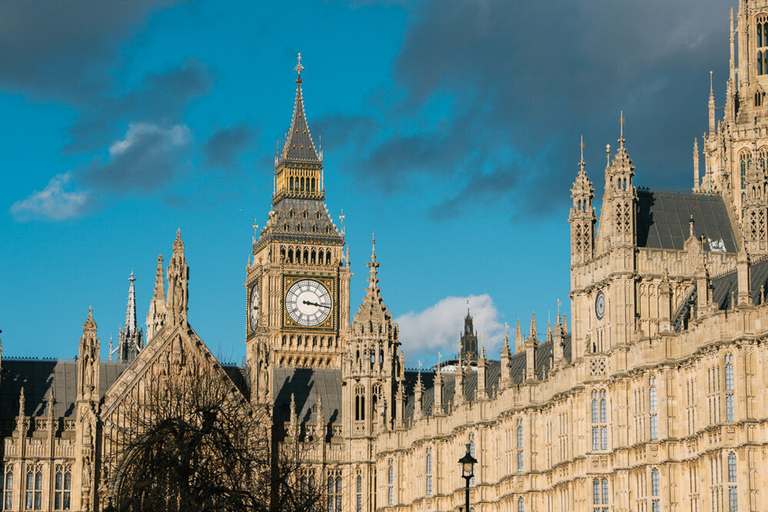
(493, 372)
(728, 282)
(306, 383)
(299, 147)
(663, 219)
(38, 376)
(241, 377)
(722, 286)
(300, 229)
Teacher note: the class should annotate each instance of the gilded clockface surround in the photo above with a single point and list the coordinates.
(253, 307)
(308, 302)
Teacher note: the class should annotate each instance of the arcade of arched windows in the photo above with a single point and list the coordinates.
(308, 341)
(304, 255)
(306, 361)
(303, 184)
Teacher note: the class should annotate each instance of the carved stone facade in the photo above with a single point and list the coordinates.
(653, 399)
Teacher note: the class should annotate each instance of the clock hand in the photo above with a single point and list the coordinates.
(308, 303)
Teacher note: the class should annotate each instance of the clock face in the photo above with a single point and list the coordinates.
(253, 310)
(600, 305)
(308, 302)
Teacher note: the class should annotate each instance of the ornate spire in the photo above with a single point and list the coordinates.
(159, 282)
(373, 280)
(156, 314)
(89, 325)
(532, 336)
(22, 402)
(621, 160)
(130, 312)
(178, 244)
(130, 339)
(178, 275)
(695, 165)
(298, 142)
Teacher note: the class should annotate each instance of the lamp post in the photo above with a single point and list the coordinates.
(467, 463)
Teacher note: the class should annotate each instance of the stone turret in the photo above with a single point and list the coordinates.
(372, 362)
(582, 216)
(505, 372)
(468, 344)
(531, 348)
(88, 362)
(177, 302)
(156, 314)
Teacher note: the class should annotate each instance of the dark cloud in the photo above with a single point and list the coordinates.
(58, 48)
(146, 159)
(222, 148)
(499, 93)
(161, 98)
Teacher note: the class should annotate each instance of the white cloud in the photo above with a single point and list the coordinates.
(53, 202)
(439, 327)
(146, 158)
(178, 135)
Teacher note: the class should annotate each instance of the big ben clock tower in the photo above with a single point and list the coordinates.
(298, 282)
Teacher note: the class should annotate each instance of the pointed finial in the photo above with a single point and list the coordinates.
(341, 219)
(711, 91)
(178, 244)
(582, 164)
(22, 402)
(558, 309)
(51, 401)
(373, 246)
(131, 279)
(608, 155)
(439, 358)
(506, 332)
(298, 69)
(621, 131)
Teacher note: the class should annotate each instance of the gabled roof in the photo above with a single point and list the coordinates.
(38, 376)
(663, 220)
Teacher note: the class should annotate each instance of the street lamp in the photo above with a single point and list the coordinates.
(467, 463)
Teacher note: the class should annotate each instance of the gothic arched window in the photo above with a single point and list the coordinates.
(359, 489)
(744, 161)
(759, 63)
(6, 488)
(730, 406)
(429, 472)
(653, 403)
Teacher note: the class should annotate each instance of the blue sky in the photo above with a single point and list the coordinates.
(449, 127)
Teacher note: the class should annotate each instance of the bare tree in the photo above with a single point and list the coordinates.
(188, 439)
